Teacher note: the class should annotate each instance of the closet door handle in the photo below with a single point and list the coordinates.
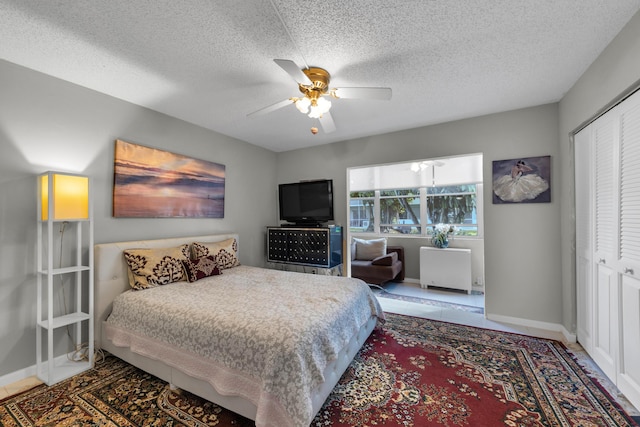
(602, 261)
(628, 270)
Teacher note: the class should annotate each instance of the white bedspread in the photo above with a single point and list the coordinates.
(264, 334)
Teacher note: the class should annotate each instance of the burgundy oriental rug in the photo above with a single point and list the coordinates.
(413, 372)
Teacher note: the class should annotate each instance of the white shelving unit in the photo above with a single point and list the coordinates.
(64, 204)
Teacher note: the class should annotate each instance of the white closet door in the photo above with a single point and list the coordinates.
(629, 130)
(605, 333)
(583, 147)
(628, 380)
(607, 156)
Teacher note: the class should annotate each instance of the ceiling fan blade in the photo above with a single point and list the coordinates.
(327, 123)
(432, 163)
(293, 70)
(381, 93)
(271, 108)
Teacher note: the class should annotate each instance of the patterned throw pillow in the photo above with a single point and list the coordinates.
(225, 252)
(200, 268)
(149, 268)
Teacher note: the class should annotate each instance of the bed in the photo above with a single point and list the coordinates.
(270, 345)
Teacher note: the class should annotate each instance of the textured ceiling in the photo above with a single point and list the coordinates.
(210, 62)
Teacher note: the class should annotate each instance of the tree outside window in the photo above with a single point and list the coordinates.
(453, 205)
(399, 210)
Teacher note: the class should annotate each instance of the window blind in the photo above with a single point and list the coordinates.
(605, 220)
(439, 172)
(630, 183)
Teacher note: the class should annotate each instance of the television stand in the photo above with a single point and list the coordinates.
(315, 246)
(304, 225)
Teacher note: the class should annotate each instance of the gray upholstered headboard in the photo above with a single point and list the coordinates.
(110, 275)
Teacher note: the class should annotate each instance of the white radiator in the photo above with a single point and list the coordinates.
(445, 268)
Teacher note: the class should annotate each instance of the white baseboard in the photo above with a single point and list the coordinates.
(570, 337)
(553, 327)
(25, 373)
(18, 375)
(474, 287)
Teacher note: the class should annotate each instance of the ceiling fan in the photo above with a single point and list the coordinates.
(313, 82)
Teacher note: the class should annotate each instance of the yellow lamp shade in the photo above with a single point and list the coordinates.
(68, 194)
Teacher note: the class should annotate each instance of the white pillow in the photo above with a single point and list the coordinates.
(366, 250)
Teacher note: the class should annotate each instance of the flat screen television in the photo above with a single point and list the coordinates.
(306, 202)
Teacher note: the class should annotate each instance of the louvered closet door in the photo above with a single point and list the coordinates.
(628, 380)
(584, 184)
(605, 333)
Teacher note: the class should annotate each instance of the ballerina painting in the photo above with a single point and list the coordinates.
(524, 180)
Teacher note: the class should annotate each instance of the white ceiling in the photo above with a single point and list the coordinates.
(210, 62)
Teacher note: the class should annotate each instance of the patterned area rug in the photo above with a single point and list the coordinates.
(381, 293)
(413, 372)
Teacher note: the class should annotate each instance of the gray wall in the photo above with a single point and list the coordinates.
(49, 124)
(522, 242)
(615, 70)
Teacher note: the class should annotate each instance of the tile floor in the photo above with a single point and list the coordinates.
(450, 314)
(476, 299)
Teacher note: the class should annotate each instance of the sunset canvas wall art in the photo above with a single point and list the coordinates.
(152, 183)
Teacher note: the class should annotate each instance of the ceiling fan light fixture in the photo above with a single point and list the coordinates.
(303, 104)
(319, 107)
(315, 113)
(313, 83)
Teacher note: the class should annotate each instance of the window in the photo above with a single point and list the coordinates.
(454, 205)
(385, 199)
(400, 211)
(362, 211)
